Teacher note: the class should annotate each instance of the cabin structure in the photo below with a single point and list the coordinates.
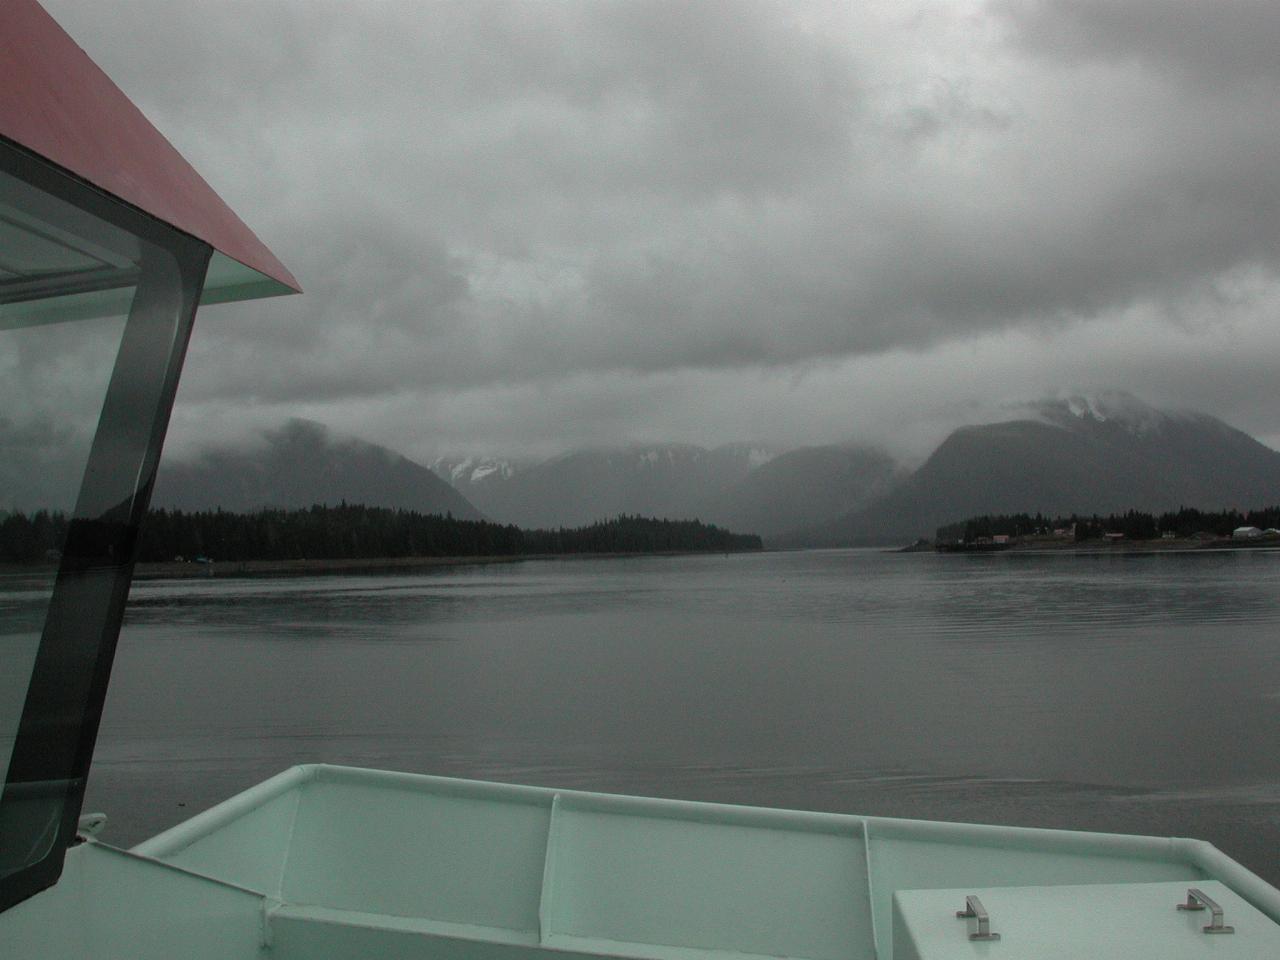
(109, 240)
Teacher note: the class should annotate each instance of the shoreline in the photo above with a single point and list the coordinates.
(190, 570)
(1180, 545)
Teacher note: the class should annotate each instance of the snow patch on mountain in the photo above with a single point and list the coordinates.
(469, 470)
(754, 455)
(1115, 407)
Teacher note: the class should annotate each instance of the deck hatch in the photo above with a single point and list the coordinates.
(1133, 921)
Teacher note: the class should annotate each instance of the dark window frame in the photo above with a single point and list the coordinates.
(60, 718)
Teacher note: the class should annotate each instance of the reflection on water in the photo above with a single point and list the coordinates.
(1129, 693)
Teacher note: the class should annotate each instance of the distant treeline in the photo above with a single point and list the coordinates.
(351, 531)
(24, 539)
(1133, 524)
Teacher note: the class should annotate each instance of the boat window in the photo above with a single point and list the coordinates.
(95, 312)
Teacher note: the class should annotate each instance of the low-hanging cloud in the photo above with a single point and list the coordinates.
(504, 200)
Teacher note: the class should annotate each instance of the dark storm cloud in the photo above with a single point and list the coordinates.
(1212, 45)
(489, 201)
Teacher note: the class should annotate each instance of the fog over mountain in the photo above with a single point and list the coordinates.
(675, 481)
(300, 464)
(737, 486)
(800, 488)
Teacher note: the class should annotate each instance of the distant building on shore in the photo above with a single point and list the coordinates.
(1245, 533)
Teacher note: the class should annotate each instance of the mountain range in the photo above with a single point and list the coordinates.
(1103, 453)
(301, 464)
(737, 486)
(676, 481)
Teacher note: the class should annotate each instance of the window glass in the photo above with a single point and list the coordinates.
(54, 371)
(94, 320)
(52, 382)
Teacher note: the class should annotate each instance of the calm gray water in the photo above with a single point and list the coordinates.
(1136, 693)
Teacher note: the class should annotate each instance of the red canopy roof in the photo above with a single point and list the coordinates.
(56, 102)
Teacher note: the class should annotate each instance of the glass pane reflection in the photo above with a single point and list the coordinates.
(94, 321)
(53, 377)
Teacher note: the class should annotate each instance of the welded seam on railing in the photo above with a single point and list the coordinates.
(288, 840)
(546, 896)
(100, 847)
(871, 886)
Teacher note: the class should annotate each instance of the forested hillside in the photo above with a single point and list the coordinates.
(352, 531)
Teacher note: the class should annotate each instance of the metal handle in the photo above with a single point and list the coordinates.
(973, 908)
(1198, 900)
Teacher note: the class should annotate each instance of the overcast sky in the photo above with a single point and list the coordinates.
(528, 227)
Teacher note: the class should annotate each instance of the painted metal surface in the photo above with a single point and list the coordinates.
(360, 863)
(334, 863)
(1137, 920)
(111, 905)
(56, 103)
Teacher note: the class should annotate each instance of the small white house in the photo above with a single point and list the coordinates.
(1245, 533)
